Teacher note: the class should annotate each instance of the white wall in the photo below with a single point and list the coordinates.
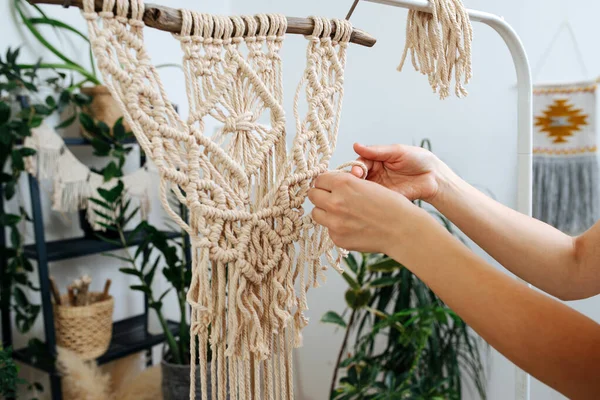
(475, 136)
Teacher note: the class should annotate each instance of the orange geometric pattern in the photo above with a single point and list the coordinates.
(565, 152)
(561, 120)
(566, 90)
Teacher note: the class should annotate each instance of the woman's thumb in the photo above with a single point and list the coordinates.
(376, 153)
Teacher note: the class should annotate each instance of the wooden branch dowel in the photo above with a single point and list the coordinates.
(71, 295)
(169, 19)
(83, 297)
(55, 292)
(105, 294)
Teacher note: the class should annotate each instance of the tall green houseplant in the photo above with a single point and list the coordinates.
(156, 253)
(401, 341)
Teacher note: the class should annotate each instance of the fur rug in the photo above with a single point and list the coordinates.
(121, 380)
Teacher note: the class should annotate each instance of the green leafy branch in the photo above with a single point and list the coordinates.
(24, 11)
(155, 252)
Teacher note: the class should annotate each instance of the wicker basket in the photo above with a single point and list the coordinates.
(103, 107)
(86, 330)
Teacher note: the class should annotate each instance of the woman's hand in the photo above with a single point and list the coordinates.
(411, 171)
(361, 215)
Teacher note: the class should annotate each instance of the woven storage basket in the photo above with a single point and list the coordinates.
(86, 330)
(103, 107)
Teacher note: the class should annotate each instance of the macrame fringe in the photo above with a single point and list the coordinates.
(439, 44)
(71, 196)
(74, 183)
(565, 192)
(48, 146)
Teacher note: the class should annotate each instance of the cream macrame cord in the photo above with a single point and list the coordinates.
(439, 43)
(244, 190)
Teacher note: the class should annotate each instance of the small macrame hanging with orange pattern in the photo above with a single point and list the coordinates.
(565, 156)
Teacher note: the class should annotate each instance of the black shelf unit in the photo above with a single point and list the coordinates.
(129, 335)
(79, 247)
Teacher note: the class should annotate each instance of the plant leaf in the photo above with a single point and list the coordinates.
(27, 152)
(4, 112)
(17, 160)
(351, 262)
(357, 298)
(385, 265)
(67, 122)
(131, 271)
(141, 289)
(109, 240)
(87, 123)
(9, 219)
(111, 171)
(331, 317)
(57, 24)
(384, 281)
(351, 281)
(100, 203)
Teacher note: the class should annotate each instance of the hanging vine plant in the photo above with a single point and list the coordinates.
(22, 110)
(14, 128)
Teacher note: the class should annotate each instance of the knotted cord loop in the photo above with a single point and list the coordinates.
(355, 163)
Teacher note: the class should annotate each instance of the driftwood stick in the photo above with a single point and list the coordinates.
(106, 289)
(169, 19)
(55, 292)
(71, 295)
(83, 297)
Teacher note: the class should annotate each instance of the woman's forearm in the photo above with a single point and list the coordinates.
(533, 250)
(544, 337)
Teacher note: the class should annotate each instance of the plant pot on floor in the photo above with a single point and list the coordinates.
(85, 330)
(176, 381)
(103, 107)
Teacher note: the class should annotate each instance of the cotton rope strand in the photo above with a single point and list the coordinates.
(439, 43)
(255, 251)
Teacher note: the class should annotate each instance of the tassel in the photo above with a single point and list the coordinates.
(48, 146)
(440, 45)
(565, 192)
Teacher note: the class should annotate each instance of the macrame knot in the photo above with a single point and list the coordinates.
(239, 123)
(89, 12)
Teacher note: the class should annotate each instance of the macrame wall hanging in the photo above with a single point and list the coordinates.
(565, 163)
(74, 183)
(245, 191)
(439, 43)
(565, 160)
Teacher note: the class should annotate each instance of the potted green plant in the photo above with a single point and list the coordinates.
(102, 106)
(14, 128)
(156, 253)
(424, 351)
(20, 111)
